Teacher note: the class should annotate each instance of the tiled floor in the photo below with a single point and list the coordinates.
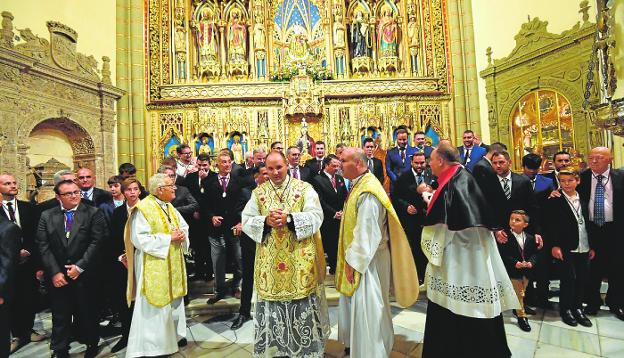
(209, 334)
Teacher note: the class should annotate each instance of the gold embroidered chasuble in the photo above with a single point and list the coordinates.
(164, 280)
(404, 277)
(287, 268)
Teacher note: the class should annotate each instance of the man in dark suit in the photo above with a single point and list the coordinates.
(184, 202)
(561, 160)
(411, 207)
(420, 144)
(397, 158)
(375, 165)
(566, 227)
(602, 188)
(332, 193)
(470, 153)
(10, 235)
(316, 164)
(59, 176)
(197, 185)
(24, 215)
(484, 173)
(69, 237)
(224, 217)
(86, 182)
(248, 253)
(293, 154)
(512, 192)
(542, 187)
(259, 156)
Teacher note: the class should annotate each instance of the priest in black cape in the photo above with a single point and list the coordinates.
(467, 285)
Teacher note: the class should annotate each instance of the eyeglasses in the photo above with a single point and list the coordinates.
(185, 153)
(172, 186)
(84, 177)
(71, 193)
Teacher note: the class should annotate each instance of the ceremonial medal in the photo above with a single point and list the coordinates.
(224, 194)
(201, 190)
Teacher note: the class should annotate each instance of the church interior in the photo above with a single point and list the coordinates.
(96, 84)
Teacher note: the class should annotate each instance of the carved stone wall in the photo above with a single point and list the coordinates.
(541, 60)
(47, 84)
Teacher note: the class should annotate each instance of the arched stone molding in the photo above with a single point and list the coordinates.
(36, 91)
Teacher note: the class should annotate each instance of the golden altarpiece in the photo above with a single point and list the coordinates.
(535, 95)
(241, 74)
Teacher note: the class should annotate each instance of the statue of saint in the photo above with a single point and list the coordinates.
(298, 47)
(237, 38)
(339, 32)
(237, 149)
(258, 35)
(413, 35)
(204, 147)
(208, 45)
(387, 33)
(305, 142)
(360, 37)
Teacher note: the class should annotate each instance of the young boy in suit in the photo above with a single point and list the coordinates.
(519, 255)
(567, 216)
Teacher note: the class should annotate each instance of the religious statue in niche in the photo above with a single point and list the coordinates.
(298, 49)
(259, 41)
(204, 144)
(238, 146)
(360, 36)
(387, 33)
(180, 40)
(263, 125)
(207, 35)
(305, 142)
(339, 32)
(345, 125)
(413, 35)
(237, 38)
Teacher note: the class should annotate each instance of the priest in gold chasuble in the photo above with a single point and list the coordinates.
(156, 239)
(284, 216)
(373, 253)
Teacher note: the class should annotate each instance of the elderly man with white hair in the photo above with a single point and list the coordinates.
(156, 239)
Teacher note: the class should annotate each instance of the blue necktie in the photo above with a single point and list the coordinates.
(69, 221)
(599, 196)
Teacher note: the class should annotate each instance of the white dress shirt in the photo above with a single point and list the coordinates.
(6, 210)
(575, 206)
(502, 182)
(88, 194)
(608, 195)
(520, 238)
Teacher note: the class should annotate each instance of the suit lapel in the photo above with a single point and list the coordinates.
(78, 220)
(58, 223)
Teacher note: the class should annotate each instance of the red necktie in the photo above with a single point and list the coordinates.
(333, 182)
(224, 183)
(296, 172)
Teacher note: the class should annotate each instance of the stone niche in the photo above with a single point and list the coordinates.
(46, 86)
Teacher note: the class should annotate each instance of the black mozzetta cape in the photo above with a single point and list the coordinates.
(460, 204)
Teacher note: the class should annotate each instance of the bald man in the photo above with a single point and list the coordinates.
(603, 188)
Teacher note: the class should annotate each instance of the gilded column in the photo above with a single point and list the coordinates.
(463, 66)
(130, 77)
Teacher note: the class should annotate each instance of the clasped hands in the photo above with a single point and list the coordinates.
(177, 236)
(523, 264)
(277, 218)
(58, 280)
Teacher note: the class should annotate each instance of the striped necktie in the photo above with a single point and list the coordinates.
(506, 188)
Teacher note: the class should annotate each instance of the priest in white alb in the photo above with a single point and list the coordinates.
(156, 239)
(284, 216)
(372, 250)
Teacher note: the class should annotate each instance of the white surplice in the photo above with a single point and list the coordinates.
(465, 273)
(296, 328)
(365, 319)
(154, 331)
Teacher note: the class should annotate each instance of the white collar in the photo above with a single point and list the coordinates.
(605, 174)
(227, 177)
(13, 201)
(72, 209)
(518, 236)
(328, 175)
(508, 177)
(575, 197)
(416, 174)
